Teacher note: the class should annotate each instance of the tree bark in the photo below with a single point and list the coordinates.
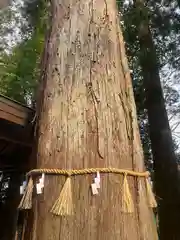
(4, 4)
(166, 175)
(88, 119)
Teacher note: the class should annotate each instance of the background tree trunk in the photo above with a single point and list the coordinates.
(8, 209)
(88, 119)
(4, 3)
(166, 175)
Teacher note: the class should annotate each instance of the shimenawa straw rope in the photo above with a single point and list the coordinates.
(73, 172)
(64, 203)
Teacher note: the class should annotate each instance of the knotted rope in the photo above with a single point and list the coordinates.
(73, 172)
(64, 204)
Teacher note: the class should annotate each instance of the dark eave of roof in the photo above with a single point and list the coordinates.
(16, 133)
(13, 111)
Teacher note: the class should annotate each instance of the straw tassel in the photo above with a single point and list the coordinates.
(150, 195)
(64, 205)
(127, 202)
(26, 201)
(141, 192)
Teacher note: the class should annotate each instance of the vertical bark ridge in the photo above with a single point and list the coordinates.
(86, 122)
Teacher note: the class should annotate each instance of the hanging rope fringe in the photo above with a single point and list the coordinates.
(151, 199)
(127, 202)
(64, 205)
(26, 201)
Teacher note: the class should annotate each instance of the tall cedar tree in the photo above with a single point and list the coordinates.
(166, 177)
(87, 118)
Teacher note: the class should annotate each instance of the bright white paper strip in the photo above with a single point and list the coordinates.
(94, 189)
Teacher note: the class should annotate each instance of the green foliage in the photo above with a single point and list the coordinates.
(19, 71)
(20, 67)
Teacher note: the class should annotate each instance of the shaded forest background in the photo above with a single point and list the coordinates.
(23, 26)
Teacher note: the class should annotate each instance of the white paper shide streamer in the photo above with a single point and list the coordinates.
(96, 184)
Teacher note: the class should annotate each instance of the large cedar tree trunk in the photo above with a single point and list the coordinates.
(88, 119)
(166, 176)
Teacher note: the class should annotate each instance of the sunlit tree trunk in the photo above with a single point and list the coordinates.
(88, 119)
